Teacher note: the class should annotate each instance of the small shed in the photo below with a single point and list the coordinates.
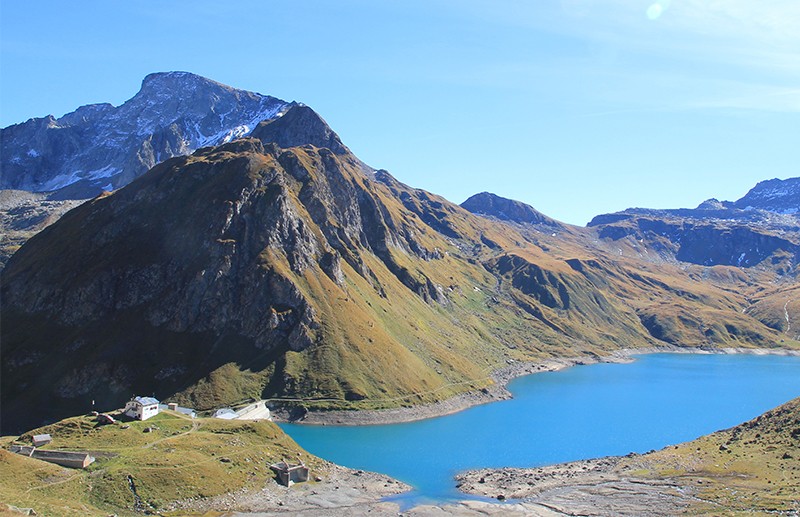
(41, 439)
(289, 474)
(75, 460)
(173, 406)
(141, 408)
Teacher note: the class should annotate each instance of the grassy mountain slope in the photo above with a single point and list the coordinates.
(749, 468)
(251, 270)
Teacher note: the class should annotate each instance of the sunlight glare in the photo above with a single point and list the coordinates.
(655, 11)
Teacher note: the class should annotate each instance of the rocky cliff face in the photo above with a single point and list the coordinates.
(760, 229)
(715, 233)
(102, 147)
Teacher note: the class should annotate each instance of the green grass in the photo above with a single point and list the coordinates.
(181, 459)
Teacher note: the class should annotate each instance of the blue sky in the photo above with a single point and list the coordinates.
(575, 107)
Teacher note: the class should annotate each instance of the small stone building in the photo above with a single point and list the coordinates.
(173, 406)
(141, 408)
(289, 474)
(41, 439)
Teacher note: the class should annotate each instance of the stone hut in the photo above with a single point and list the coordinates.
(289, 474)
(41, 439)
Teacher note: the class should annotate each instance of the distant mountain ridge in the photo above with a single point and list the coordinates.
(715, 233)
(760, 229)
(775, 195)
(101, 147)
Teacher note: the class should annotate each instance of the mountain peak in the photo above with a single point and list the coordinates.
(157, 78)
(101, 147)
(775, 195)
(502, 208)
(714, 204)
(299, 125)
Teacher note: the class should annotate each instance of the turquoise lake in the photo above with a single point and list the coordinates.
(578, 413)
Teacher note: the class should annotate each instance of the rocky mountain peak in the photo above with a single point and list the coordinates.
(489, 204)
(210, 254)
(161, 80)
(775, 195)
(714, 204)
(761, 229)
(101, 147)
(299, 125)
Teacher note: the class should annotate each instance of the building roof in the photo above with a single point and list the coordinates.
(285, 466)
(146, 401)
(225, 413)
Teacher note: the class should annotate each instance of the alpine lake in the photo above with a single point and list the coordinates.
(578, 413)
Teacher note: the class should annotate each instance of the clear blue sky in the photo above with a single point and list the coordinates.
(575, 107)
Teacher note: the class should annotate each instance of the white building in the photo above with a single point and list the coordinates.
(141, 408)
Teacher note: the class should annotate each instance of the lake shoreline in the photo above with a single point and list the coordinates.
(498, 390)
(603, 485)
